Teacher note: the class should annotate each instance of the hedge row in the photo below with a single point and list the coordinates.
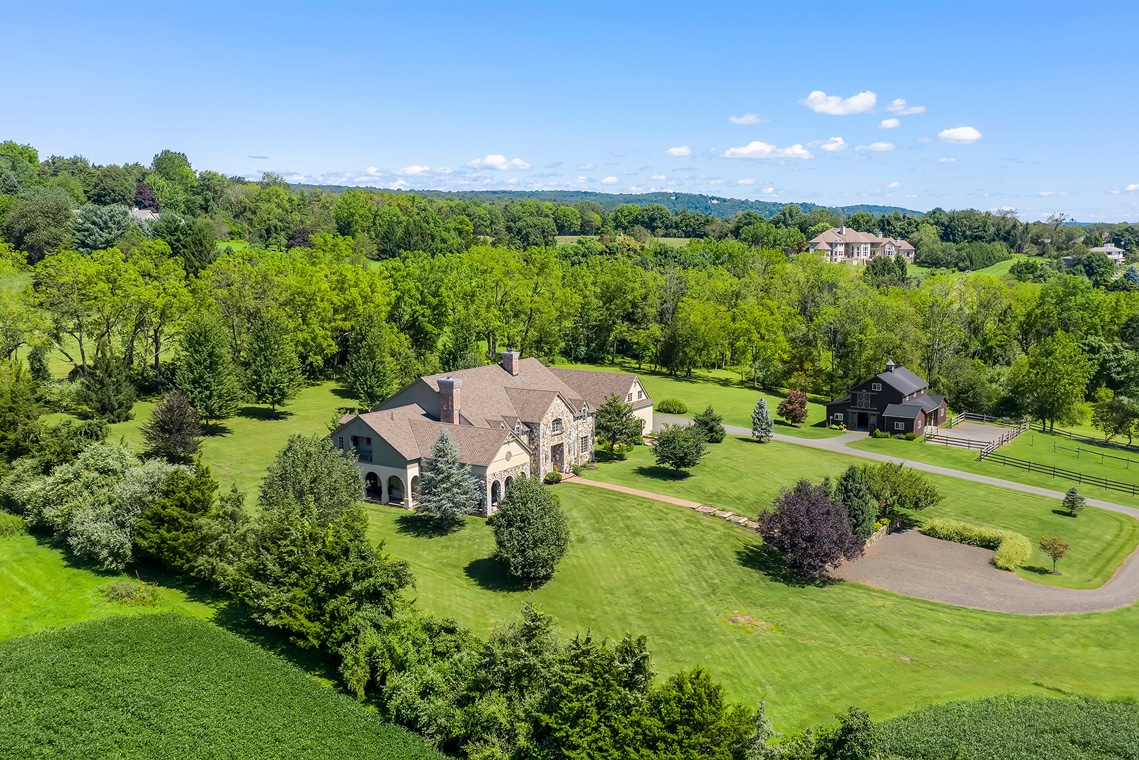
(1011, 549)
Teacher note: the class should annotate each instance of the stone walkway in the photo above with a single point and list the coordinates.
(916, 565)
(705, 509)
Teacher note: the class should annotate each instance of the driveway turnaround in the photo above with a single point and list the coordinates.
(913, 564)
(916, 565)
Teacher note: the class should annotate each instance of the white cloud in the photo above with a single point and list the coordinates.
(679, 150)
(745, 182)
(959, 135)
(609, 181)
(715, 182)
(890, 123)
(877, 147)
(1046, 193)
(833, 144)
(894, 185)
(586, 167)
(819, 102)
(747, 118)
(499, 162)
(414, 169)
(946, 160)
(768, 191)
(758, 149)
(899, 106)
(1132, 188)
(583, 179)
(659, 177)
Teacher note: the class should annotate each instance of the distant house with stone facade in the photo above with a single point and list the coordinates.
(841, 244)
(895, 401)
(516, 418)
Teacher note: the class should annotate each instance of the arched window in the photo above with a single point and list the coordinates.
(556, 426)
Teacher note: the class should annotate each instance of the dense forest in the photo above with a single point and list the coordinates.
(121, 258)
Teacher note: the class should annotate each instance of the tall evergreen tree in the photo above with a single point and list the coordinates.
(446, 490)
(170, 529)
(852, 492)
(272, 370)
(107, 389)
(710, 425)
(762, 426)
(371, 373)
(19, 411)
(206, 372)
(173, 431)
(531, 534)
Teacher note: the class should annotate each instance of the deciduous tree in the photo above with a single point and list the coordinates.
(615, 425)
(371, 373)
(679, 447)
(810, 529)
(1056, 548)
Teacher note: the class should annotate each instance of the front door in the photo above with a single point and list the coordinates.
(557, 456)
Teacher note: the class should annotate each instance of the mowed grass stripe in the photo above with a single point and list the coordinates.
(677, 576)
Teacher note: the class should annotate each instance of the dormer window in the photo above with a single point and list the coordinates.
(556, 426)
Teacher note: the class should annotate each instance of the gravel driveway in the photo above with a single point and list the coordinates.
(911, 563)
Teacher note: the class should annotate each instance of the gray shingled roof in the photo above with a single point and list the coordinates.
(927, 401)
(904, 411)
(903, 381)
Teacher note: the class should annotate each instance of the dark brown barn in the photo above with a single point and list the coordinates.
(895, 401)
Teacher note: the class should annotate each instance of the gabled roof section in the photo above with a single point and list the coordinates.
(927, 401)
(902, 380)
(532, 404)
(413, 434)
(594, 386)
(905, 411)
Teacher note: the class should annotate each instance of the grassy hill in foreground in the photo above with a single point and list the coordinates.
(168, 686)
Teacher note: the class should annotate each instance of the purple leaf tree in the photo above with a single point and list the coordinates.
(810, 529)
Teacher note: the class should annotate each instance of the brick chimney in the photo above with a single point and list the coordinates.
(449, 399)
(510, 361)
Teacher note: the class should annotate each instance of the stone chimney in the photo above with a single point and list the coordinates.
(510, 361)
(890, 365)
(449, 399)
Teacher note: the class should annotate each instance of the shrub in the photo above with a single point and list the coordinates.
(879, 434)
(11, 525)
(898, 487)
(1011, 549)
(577, 469)
(672, 405)
(910, 436)
(552, 478)
(835, 427)
(710, 425)
(131, 593)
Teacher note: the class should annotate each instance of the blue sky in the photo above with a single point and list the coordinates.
(997, 105)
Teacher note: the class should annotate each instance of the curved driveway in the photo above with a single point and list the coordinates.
(916, 565)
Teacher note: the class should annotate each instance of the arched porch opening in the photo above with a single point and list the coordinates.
(507, 483)
(415, 488)
(372, 487)
(395, 490)
(495, 493)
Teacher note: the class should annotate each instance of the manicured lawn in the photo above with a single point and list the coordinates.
(745, 477)
(723, 390)
(1033, 446)
(41, 588)
(697, 587)
(166, 686)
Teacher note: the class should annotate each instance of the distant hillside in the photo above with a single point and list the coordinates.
(713, 205)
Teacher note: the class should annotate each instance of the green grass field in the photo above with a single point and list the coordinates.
(167, 686)
(1035, 447)
(701, 590)
(1016, 728)
(745, 477)
(722, 389)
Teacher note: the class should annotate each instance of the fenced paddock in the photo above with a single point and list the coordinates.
(978, 432)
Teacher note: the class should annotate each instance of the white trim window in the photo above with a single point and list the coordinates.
(340, 442)
(556, 425)
(837, 417)
(876, 386)
(899, 426)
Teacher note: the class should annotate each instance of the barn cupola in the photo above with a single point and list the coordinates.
(890, 365)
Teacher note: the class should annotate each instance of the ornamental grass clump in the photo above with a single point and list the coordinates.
(1011, 550)
(671, 405)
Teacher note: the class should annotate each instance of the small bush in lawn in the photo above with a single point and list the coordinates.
(12, 525)
(1073, 503)
(1011, 549)
(679, 446)
(879, 434)
(577, 469)
(552, 478)
(910, 436)
(130, 593)
(672, 405)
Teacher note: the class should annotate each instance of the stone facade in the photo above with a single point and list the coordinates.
(543, 439)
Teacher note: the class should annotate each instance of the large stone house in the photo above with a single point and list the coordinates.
(894, 401)
(851, 246)
(516, 418)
